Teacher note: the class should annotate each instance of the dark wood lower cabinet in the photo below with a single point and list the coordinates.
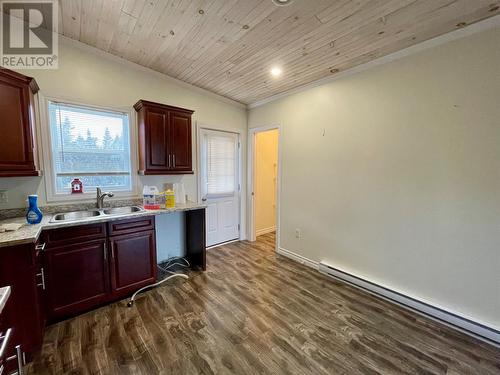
(41, 286)
(75, 269)
(133, 262)
(114, 261)
(196, 239)
(77, 278)
(23, 312)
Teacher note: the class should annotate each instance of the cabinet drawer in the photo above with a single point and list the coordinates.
(82, 233)
(131, 225)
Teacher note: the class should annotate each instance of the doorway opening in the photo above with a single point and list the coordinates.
(264, 176)
(220, 185)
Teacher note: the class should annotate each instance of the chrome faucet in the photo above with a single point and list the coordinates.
(101, 196)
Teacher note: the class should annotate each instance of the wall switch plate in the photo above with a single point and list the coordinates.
(3, 196)
(298, 233)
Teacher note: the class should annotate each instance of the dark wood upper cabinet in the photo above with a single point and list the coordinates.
(180, 141)
(156, 138)
(165, 141)
(17, 124)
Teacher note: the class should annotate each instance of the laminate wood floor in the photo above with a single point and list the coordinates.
(254, 312)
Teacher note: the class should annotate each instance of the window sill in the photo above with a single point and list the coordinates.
(89, 197)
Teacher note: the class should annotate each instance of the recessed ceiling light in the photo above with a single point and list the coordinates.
(282, 2)
(276, 71)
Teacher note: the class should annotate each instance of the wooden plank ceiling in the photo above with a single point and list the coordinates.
(229, 46)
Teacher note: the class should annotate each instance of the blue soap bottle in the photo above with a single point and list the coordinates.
(34, 215)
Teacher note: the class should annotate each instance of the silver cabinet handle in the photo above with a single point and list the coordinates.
(105, 253)
(40, 246)
(5, 340)
(42, 276)
(173, 158)
(169, 160)
(112, 251)
(19, 357)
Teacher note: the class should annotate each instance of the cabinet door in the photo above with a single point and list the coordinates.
(77, 278)
(16, 127)
(41, 285)
(17, 269)
(133, 262)
(157, 156)
(180, 142)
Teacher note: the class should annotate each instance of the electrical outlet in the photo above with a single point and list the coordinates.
(298, 233)
(3, 196)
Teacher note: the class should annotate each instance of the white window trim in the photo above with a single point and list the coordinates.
(48, 165)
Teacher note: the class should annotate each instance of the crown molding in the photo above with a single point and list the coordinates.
(120, 60)
(487, 24)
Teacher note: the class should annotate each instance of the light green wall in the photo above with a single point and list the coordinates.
(393, 174)
(91, 77)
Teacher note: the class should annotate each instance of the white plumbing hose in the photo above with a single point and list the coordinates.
(131, 301)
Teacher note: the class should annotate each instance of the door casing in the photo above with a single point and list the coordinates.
(251, 181)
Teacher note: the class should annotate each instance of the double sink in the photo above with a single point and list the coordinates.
(80, 215)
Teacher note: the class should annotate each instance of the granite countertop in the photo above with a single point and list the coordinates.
(30, 233)
(4, 296)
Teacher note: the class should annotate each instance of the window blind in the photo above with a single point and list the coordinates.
(221, 165)
(89, 144)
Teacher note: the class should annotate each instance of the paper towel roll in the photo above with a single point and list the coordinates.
(180, 193)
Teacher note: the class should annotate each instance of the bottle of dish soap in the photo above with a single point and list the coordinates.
(169, 199)
(34, 215)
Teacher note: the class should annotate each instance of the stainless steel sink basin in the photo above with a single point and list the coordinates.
(122, 210)
(80, 215)
(76, 215)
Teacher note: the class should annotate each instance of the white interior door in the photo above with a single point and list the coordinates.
(220, 185)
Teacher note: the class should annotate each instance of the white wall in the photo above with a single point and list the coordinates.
(401, 165)
(266, 166)
(89, 76)
(170, 236)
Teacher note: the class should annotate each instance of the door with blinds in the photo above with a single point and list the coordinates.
(220, 185)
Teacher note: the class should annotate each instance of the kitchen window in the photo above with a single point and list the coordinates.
(90, 144)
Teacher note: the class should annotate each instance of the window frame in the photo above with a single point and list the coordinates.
(47, 153)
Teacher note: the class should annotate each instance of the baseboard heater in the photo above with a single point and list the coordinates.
(462, 324)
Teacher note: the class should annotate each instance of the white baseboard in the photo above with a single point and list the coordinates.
(298, 258)
(448, 318)
(260, 232)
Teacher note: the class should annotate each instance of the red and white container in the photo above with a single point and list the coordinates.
(76, 186)
(151, 198)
